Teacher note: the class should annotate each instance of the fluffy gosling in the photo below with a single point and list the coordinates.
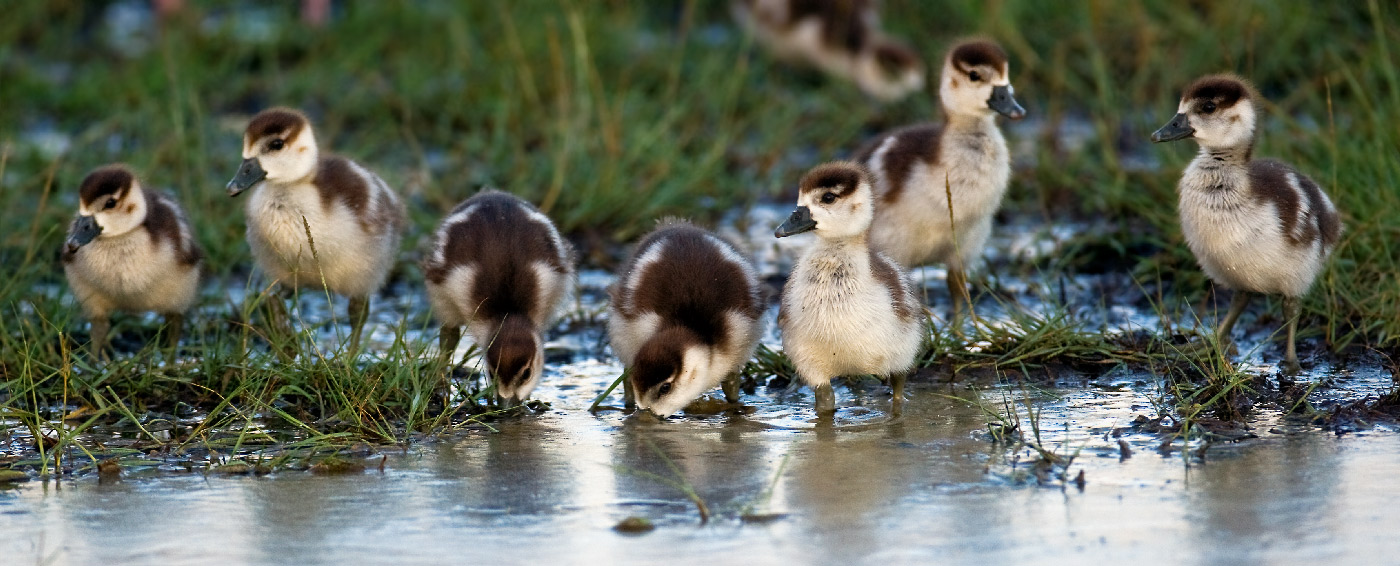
(130, 249)
(500, 268)
(846, 309)
(1255, 226)
(916, 168)
(841, 38)
(355, 220)
(684, 317)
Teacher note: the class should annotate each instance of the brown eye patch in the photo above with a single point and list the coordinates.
(111, 181)
(978, 54)
(838, 179)
(283, 123)
(1217, 91)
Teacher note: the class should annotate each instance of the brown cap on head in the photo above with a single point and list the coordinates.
(977, 52)
(285, 122)
(115, 180)
(841, 177)
(1223, 89)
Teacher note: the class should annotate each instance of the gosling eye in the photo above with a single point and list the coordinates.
(975, 76)
(276, 144)
(111, 203)
(1208, 107)
(828, 198)
(664, 389)
(525, 375)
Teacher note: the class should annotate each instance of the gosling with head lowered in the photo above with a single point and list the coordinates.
(684, 317)
(353, 218)
(846, 309)
(130, 249)
(500, 268)
(915, 170)
(1255, 226)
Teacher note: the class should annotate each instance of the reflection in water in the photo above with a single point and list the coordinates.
(928, 486)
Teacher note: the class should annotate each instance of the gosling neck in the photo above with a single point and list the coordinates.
(1224, 157)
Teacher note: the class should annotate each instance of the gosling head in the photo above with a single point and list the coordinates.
(278, 146)
(669, 371)
(976, 82)
(834, 200)
(515, 359)
(1216, 110)
(889, 70)
(110, 204)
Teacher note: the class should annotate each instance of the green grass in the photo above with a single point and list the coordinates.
(611, 114)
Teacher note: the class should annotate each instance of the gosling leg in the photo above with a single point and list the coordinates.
(897, 391)
(280, 335)
(448, 338)
(98, 345)
(629, 397)
(174, 325)
(1291, 311)
(731, 388)
(359, 313)
(1237, 305)
(825, 399)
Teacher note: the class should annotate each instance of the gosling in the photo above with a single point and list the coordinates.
(353, 218)
(843, 39)
(846, 309)
(684, 317)
(500, 268)
(915, 169)
(130, 249)
(1255, 226)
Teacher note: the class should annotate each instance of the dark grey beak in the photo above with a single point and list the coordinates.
(249, 174)
(84, 230)
(1176, 129)
(1005, 103)
(800, 221)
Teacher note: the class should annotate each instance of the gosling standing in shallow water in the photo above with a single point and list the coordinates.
(130, 249)
(500, 268)
(846, 309)
(915, 169)
(684, 317)
(354, 218)
(1255, 226)
(842, 38)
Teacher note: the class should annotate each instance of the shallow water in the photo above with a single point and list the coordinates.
(933, 485)
(928, 486)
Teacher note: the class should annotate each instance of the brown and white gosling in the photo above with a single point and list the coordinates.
(1255, 226)
(846, 309)
(840, 37)
(130, 249)
(500, 268)
(355, 219)
(915, 169)
(684, 317)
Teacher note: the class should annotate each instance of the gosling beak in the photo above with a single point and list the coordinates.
(1176, 129)
(1004, 102)
(249, 174)
(85, 229)
(800, 221)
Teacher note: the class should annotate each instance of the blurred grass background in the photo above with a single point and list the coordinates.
(612, 113)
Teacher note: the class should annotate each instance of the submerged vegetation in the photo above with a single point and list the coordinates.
(612, 114)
